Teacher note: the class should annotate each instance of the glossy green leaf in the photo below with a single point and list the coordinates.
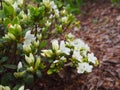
(8, 9)
(28, 78)
(38, 73)
(10, 66)
(43, 44)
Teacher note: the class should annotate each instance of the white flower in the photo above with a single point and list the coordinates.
(62, 58)
(15, 6)
(51, 16)
(53, 5)
(79, 44)
(76, 55)
(29, 59)
(56, 12)
(84, 67)
(64, 49)
(86, 47)
(55, 45)
(84, 53)
(19, 65)
(39, 29)
(29, 38)
(64, 19)
(92, 58)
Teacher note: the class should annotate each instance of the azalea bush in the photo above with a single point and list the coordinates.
(30, 43)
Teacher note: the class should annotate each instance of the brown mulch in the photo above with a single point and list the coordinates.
(100, 28)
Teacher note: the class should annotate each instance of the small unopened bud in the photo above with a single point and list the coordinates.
(10, 25)
(47, 53)
(30, 59)
(18, 28)
(36, 43)
(30, 69)
(39, 36)
(19, 66)
(10, 36)
(37, 63)
(27, 48)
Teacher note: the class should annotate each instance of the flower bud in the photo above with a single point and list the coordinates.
(19, 66)
(63, 12)
(30, 59)
(10, 25)
(19, 74)
(30, 69)
(18, 28)
(4, 87)
(48, 24)
(36, 43)
(27, 48)
(46, 3)
(37, 63)
(23, 15)
(55, 45)
(47, 53)
(10, 36)
(39, 36)
(70, 37)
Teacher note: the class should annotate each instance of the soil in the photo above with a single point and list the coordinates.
(100, 28)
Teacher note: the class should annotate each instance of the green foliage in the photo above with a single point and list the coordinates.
(73, 6)
(116, 3)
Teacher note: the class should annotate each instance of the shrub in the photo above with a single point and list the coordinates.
(26, 34)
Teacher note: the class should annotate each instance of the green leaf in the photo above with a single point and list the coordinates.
(2, 15)
(38, 73)
(49, 71)
(7, 21)
(1, 69)
(16, 20)
(6, 78)
(43, 44)
(8, 9)
(10, 66)
(28, 78)
(4, 59)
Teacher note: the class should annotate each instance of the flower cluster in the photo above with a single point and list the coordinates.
(72, 50)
